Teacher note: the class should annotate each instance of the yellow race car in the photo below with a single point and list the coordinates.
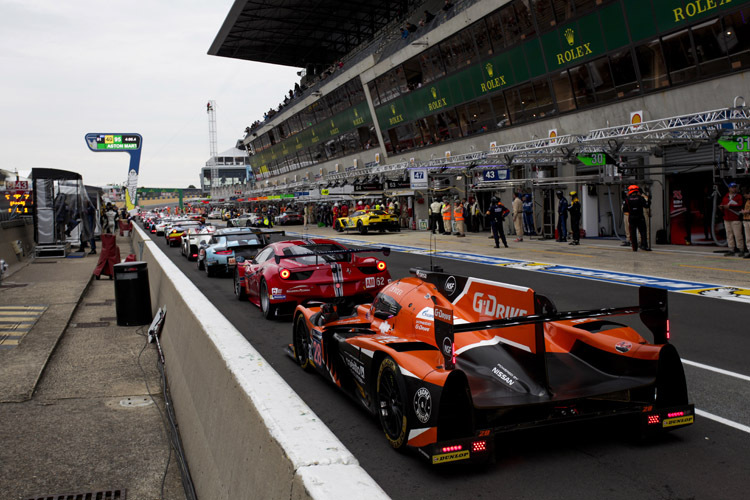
(364, 220)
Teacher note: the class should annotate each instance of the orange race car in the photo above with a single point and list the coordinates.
(446, 362)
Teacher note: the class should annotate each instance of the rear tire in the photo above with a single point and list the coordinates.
(268, 309)
(392, 403)
(209, 271)
(301, 343)
(201, 265)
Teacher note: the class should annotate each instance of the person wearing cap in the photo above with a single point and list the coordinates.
(518, 216)
(497, 213)
(575, 218)
(562, 217)
(746, 223)
(635, 206)
(731, 204)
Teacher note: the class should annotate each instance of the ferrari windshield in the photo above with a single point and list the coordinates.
(307, 253)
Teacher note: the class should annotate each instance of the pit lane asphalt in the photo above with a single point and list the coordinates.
(601, 460)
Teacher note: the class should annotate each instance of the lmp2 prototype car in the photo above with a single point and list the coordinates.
(288, 273)
(365, 220)
(447, 362)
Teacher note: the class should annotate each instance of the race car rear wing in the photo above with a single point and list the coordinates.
(386, 251)
(652, 307)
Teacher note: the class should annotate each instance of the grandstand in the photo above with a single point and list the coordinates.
(525, 91)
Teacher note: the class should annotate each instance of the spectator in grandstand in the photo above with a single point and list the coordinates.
(428, 17)
(404, 33)
(411, 27)
(448, 5)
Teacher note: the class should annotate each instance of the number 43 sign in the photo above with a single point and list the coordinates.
(737, 144)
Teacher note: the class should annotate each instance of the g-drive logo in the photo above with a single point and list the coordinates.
(489, 306)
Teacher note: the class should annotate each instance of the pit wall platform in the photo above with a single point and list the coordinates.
(246, 433)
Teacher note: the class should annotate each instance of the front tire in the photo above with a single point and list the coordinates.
(239, 289)
(301, 343)
(361, 228)
(268, 309)
(392, 403)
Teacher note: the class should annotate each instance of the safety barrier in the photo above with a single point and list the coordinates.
(246, 433)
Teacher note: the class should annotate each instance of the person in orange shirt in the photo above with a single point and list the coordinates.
(458, 216)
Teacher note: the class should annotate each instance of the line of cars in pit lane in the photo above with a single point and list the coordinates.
(448, 362)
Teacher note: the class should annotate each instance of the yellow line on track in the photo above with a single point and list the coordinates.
(715, 269)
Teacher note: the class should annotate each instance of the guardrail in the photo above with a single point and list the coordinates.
(246, 433)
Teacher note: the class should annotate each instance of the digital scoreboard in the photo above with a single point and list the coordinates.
(114, 142)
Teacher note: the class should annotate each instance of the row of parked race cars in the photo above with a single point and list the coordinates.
(444, 361)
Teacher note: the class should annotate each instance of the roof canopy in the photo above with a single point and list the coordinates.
(300, 33)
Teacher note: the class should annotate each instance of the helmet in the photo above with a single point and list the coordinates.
(494, 199)
(732, 184)
(573, 193)
(633, 188)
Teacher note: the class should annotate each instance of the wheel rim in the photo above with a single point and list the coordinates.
(391, 406)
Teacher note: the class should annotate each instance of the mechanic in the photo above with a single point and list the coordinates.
(562, 217)
(446, 211)
(528, 215)
(635, 205)
(458, 216)
(731, 204)
(497, 213)
(518, 216)
(477, 217)
(575, 217)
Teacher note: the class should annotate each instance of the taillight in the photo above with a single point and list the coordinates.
(381, 265)
(284, 273)
(456, 447)
(668, 335)
(477, 446)
(676, 414)
(195, 255)
(225, 252)
(653, 419)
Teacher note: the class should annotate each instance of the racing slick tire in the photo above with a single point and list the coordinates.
(239, 290)
(361, 228)
(209, 271)
(268, 309)
(340, 227)
(301, 343)
(392, 403)
(201, 265)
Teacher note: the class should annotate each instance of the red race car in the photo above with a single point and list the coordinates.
(288, 273)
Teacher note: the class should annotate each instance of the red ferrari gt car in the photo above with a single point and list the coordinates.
(288, 273)
(446, 362)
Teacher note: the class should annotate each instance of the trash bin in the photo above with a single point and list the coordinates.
(132, 294)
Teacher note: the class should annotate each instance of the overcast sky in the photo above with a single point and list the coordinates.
(69, 67)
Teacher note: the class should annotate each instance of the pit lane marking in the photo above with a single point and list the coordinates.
(722, 420)
(717, 370)
(715, 269)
